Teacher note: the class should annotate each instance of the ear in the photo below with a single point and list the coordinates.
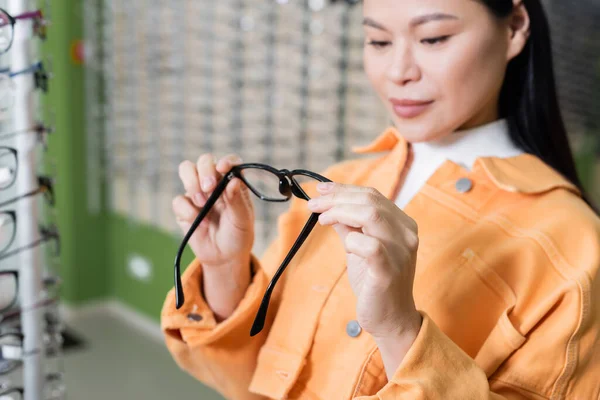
(518, 29)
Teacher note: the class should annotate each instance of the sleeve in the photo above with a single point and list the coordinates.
(437, 368)
(223, 355)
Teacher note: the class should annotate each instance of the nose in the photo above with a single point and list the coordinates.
(403, 67)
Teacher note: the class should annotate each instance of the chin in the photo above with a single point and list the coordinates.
(418, 130)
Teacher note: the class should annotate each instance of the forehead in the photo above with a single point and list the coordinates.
(405, 10)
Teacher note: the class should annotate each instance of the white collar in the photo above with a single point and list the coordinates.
(465, 146)
(462, 147)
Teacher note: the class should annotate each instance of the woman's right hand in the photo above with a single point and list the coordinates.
(226, 233)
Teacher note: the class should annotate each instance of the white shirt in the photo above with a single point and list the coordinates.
(462, 147)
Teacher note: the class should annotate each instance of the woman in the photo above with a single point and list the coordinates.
(462, 263)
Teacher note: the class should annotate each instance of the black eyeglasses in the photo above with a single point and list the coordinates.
(14, 393)
(8, 233)
(268, 184)
(9, 281)
(45, 186)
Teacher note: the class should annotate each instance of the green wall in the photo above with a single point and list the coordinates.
(83, 247)
(95, 248)
(126, 238)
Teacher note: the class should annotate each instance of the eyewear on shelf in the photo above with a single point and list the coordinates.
(268, 184)
(51, 285)
(8, 233)
(40, 129)
(13, 393)
(7, 26)
(9, 280)
(54, 387)
(45, 186)
(41, 76)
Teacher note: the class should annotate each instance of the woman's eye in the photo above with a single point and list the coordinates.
(378, 44)
(435, 40)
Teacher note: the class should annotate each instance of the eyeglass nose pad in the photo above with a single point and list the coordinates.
(284, 187)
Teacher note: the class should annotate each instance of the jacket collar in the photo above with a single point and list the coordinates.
(525, 173)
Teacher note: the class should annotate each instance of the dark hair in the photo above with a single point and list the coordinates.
(529, 100)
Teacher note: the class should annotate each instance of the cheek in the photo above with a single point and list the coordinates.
(468, 78)
(374, 67)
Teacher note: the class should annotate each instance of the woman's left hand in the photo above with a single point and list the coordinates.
(381, 244)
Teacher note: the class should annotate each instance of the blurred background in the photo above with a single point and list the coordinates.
(129, 89)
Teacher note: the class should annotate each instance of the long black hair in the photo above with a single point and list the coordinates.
(529, 99)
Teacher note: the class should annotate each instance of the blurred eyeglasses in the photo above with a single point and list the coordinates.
(9, 165)
(40, 129)
(45, 186)
(9, 284)
(51, 285)
(268, 184)
(41, 76)
(14, 393)
(8, 233)
(7, 26)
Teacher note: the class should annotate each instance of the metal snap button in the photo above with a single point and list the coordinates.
(463, 185)
(194, 317)
(353, 328)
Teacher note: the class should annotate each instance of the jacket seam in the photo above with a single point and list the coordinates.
(519, 387)
(549, 248)
(360, 382)
(450, 202)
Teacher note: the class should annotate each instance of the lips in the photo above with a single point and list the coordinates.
(409, 108)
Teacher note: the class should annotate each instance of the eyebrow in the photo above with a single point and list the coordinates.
(423, 19)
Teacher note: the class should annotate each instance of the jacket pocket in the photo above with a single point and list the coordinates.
(471, 303)
(502, 341)
(504, 338)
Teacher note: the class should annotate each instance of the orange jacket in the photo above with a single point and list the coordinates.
(507, 280)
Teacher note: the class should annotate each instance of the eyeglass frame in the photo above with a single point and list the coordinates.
(288, 187)
(14, 274)
(38, 28)
(15, 153)
(45, 186)
(47, 233)
(40, 129)
(40, 74)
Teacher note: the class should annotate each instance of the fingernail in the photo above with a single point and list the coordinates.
(324, 185)
(312, 203)
(324, 219)
(206, 183)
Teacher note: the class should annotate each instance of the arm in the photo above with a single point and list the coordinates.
(560, 358)
(222, 354)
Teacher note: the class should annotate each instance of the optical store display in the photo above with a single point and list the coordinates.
(31, 332)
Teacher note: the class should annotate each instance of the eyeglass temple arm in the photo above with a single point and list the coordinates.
(179, 297)
(29, 15)
(44, 184)
(261, 315)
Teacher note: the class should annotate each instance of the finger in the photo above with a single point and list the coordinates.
(207, 173)
(189, 178)
(341, 187)
(234, 187)
(365, 197)
(184, 210)
(365, 246)
(226, 163)
(371, 220)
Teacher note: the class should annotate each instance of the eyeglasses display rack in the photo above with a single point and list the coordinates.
(30, 326)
